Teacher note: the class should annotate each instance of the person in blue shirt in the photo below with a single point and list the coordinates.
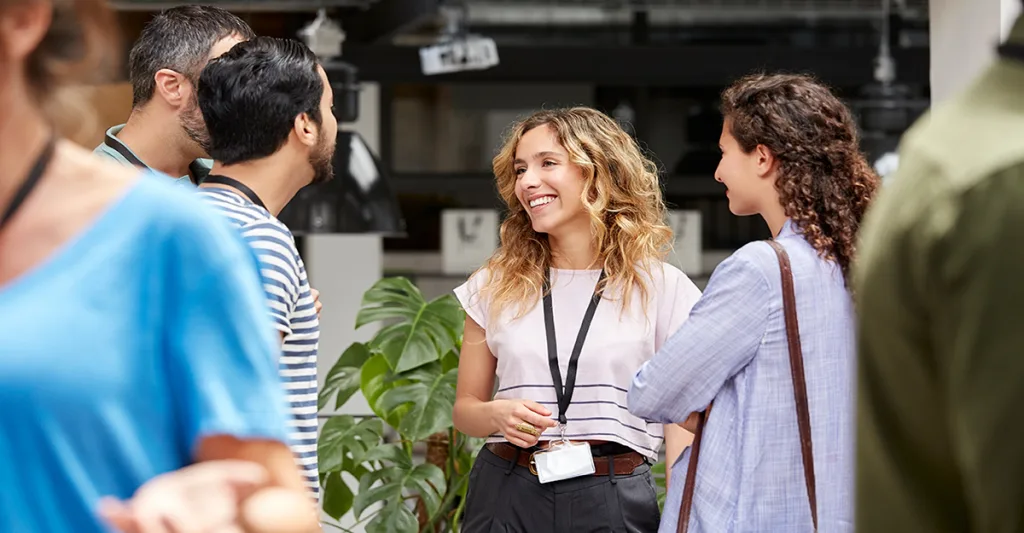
(134, 341)
(165, 130)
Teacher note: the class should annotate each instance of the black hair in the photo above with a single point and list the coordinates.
(179, 39)
(251, 96)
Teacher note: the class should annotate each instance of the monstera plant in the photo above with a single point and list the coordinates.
(407, 373)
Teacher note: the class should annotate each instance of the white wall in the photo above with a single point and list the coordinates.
(342, 268)
(964, 35)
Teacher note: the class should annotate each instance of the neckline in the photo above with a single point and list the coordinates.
(577, 270)
(229, 190)
(787, 229)
(74, 246)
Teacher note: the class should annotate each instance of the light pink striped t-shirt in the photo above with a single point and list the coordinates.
(616, 346)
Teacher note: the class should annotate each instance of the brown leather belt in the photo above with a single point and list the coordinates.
(625, 463)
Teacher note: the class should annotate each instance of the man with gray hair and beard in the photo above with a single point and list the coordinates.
(165, 130)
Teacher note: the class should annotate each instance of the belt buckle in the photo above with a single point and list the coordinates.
(532, 465)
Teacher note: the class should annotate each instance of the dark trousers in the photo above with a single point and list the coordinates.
(504, 497)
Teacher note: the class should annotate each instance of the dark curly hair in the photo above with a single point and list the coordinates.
(824, 182)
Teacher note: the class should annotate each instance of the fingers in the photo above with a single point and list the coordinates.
(536, 408)
(117, 515)
(520, 439)
(242, 475)
(316, 300)
(539, 421)
(152, 523)
(542, 423)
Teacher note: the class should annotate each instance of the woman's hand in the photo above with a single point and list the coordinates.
(509, 417)
(203, 498)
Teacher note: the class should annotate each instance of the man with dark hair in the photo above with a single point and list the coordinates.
(165, 131)
(268, 104)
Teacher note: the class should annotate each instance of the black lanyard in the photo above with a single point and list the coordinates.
(31, 180)
(232, 182)
(564, 398)
(120, 148)
(195, 171)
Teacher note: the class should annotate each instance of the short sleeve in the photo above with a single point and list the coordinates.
(274, 248)
(472, 298)
(677, 295)
(221, 353)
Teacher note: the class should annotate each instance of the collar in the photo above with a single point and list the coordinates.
(198, 169)
(788, 229)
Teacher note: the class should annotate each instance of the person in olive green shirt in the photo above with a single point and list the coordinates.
(940, 290)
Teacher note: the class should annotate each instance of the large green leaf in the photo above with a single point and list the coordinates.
(391, 485)
(422, 331)
(395, 518)
(450, 360)
(431, 397)
(343, 379)
(392, 453)
(376, 378)
(343, 438)
(338, 497)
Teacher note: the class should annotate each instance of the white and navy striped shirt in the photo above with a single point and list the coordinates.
(292, 308)
(617, 344)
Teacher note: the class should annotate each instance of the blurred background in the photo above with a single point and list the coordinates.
(425, 90)
(425, 128)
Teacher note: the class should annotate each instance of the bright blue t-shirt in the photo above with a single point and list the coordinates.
(122, 350)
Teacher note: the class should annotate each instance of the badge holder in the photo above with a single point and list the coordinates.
(563, 459)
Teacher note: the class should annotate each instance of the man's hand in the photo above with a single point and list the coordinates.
(316, 301)
(202, 498)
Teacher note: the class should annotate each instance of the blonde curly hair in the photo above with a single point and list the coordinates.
(621, 193)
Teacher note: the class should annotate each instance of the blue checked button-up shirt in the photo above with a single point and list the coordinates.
(733, 351)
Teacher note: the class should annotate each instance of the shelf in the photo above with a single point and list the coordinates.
(476, 183)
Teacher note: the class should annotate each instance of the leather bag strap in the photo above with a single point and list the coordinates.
(691, 475)
(796, 366)
(803, 417)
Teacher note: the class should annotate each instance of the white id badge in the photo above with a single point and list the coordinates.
(564, 460)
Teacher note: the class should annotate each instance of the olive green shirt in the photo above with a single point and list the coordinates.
(940, 290)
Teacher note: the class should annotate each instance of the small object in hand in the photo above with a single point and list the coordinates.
(527, 428)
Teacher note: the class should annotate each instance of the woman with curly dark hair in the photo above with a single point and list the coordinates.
(776, 449)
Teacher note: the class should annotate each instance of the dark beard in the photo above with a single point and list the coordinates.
(192, 124)
(322, 161)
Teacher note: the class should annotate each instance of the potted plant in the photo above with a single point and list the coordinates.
(407, 373)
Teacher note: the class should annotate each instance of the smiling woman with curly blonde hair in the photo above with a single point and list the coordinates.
(585, 234)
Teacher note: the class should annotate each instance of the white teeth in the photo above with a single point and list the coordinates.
(541, 201)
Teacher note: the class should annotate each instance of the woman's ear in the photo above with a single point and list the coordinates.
(765, 161)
